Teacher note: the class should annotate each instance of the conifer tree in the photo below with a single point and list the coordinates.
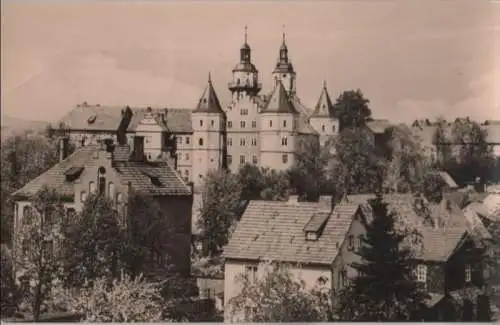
(385, 288)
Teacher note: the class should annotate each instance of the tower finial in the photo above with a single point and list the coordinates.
(283, 33)
(246, 29)
(324, 83)
(209, 77)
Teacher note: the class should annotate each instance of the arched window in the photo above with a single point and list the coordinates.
(102, 180)
(111, 190)
(200, 141)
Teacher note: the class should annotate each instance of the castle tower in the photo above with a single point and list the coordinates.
(322, 119)
(243, 113)
(278, 130)
(208, 120)
(245, 81)
(284, 71)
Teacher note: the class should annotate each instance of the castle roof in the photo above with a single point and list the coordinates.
(324, 107)
(279, 102)
(209, 102)
(140, 174)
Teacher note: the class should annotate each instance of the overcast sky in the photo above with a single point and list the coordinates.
(411, 58)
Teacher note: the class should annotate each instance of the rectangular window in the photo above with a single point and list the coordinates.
(284, 141)
(201, 122)
(242, 160)
(333, 128)
(229, 124)
(468, 273)
(421, 273)
(229, 159)
(186, 156)
(242, 142)
(229, 141)
(254, 160)
(284, 123)
(254, 141)
(284, 158)
(323, 128)
(242, 124)
(92, 187)
(254, 124)
(350, 242)
(83, 196)
(270, 123)
(212, 123)
(187, 140)
(251, 272)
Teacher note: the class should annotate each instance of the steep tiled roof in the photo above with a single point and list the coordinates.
(157, 114)
(93, 117)
(324, 106)
(148, 178)
(275, 231)
(475, 225)
(209, 102)
(303, 127)
(301, 108)
(279, 102)
(178, 119)
(439, 244)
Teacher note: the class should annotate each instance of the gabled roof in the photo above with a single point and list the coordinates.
(324, 106)
(167, 180)
(275, 231)
(439, 244)
(209, 102)
(158, 115)
(279, 102)
(303, 127)
(93, 118)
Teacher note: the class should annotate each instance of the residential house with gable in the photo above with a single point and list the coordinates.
(115, 171)
(310, 237)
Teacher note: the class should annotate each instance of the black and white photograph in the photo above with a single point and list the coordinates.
(250, 161)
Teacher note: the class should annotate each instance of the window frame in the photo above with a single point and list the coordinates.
(468, 273)
(284, 158)
(421, 273)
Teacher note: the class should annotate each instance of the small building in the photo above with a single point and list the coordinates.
(116, 171)
(308, 236)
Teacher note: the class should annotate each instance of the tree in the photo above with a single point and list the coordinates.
(93, 242)
(492, 264)
(220, 211)
(406, 163)
(37, 265)
(474, 157)
(441, 141)
(307, 175)
(24, 157)
(263, 183)
(9, 289)
(124, 299)
(277, 296)
(352, 110)
(356, 165)
(277, 185)
(385, 288)
(433, 187)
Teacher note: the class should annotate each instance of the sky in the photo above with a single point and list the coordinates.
(411, 58)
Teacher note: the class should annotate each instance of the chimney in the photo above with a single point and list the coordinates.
(138, 148)
(63, 148)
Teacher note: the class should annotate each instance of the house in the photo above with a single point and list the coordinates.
(447, 256)
(115, 171)
(308, 236)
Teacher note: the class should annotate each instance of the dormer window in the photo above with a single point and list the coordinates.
(311, 236)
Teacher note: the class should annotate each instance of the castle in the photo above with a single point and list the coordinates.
(264, 129)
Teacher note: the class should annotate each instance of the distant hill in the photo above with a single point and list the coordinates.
(13, 125)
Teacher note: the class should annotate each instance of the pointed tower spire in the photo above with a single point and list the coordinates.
(209, 102)
(279, 101)
(324, 107)
(246, 36)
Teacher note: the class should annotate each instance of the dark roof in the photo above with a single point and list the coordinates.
(275, 231)
(303, 127)
(168, 182)
(209, 102)
(159, 116)
(108, 118)
(378, 126)
(324, 106)
(279, 102)
(245, 66)
(283, 67)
